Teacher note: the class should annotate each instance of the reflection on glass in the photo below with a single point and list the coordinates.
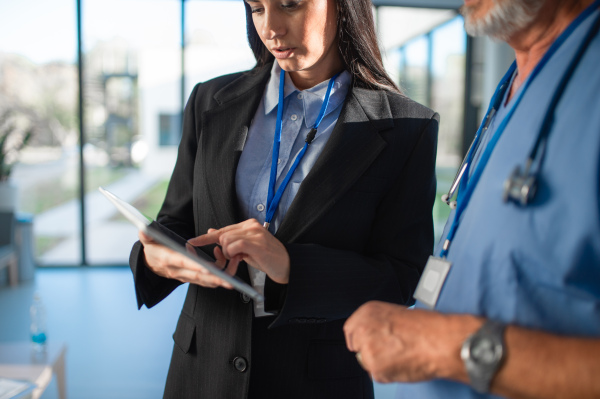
(133, 100)
(216, 41)
(413, 75)
(38, 86)
(448, 91)
(448, 61)
(431, 67)
(132, 61)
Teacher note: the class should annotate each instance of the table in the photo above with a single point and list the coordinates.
(18, 361)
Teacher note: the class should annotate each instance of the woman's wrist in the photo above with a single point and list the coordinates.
(281, 275)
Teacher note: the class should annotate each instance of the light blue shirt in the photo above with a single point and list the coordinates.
(536, 266)
(300, 112)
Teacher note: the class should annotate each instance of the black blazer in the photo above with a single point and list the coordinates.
(360, 228)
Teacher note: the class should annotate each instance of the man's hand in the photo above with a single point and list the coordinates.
(408, 345)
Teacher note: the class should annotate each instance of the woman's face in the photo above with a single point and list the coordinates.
(301, 34)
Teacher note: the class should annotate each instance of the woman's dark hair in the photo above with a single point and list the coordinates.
(357, 43)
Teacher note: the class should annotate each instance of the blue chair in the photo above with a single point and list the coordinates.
(8, 256)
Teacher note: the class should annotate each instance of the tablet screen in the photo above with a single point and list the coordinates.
(170, 239)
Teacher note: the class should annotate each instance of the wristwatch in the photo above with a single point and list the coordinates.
(483, 353)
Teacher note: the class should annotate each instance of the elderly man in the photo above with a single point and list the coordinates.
(510, 303)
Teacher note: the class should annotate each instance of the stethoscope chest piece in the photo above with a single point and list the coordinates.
(520, 187)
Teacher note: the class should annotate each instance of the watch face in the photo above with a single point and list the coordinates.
(485, 351)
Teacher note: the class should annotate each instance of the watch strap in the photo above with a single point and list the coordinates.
(481, 376)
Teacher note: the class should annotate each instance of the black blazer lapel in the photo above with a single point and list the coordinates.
(354, 144)
(224, 131)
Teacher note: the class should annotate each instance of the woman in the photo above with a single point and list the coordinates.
(353, 222)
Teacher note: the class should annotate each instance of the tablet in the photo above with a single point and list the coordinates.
(143, 224)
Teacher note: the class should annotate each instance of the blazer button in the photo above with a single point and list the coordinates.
(245, 298)
(240, 364)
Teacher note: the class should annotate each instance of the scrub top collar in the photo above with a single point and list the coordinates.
(312, 98)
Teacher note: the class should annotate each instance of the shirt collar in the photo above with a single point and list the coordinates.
(312, 98)
(272, 93)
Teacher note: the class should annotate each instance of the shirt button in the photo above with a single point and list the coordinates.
(300, 96)
(260, 207)
(240, 364)
(278, 161)
(294, 117)
(245, 298)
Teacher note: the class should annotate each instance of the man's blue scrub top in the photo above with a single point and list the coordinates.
(536, 266)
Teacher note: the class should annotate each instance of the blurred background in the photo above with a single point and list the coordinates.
(94, 89)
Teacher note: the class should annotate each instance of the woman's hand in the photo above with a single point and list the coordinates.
(251, 242)
(170, 264)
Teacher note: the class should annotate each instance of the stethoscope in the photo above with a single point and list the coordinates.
(521, 185)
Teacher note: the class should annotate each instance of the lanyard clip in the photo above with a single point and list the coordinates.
(311, 135)
(446, 245)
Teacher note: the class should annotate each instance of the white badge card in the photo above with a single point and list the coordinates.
(432, 280)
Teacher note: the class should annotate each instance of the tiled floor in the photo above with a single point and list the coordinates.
(114, 350)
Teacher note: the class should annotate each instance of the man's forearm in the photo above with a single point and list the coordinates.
(541, 365)
(403, 345)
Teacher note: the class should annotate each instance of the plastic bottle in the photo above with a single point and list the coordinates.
(38, 324)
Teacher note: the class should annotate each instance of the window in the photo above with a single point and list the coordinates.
(428, 59)
(138, 73)
(38, 86)
(169, 131)
(134, 90)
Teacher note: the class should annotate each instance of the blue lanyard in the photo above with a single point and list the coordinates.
(467, 185)
(273, 198)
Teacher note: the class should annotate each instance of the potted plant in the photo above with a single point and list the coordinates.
(12, 140)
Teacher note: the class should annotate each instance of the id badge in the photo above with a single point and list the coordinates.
(432, 280)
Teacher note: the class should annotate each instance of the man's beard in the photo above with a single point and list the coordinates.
(504, 19)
